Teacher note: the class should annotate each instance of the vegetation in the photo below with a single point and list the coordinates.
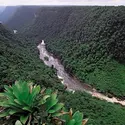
(90, 42)
(23, 16)
(97, 111)
(87, 63)
(32, 106)
(21, 61)
(7, 13)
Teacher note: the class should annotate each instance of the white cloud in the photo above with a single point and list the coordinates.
(62, 2)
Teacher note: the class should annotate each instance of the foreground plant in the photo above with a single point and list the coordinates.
(25, 104)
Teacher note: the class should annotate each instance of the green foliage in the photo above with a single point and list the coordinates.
(20, 61)
(21, 100)
(90, 43)
(74, 119)
(24, 101)
(98, 111)
(87, 40)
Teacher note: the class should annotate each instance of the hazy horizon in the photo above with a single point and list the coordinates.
(63, 2)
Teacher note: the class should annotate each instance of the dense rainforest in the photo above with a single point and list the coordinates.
(17, 61)
(90, 43)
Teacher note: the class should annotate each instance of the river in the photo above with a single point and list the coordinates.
(71, 83)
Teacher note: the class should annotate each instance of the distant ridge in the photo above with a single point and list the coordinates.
(7, 13)
(23, 16)
(2, 9)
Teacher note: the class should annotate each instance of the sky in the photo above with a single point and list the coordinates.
(62, 2)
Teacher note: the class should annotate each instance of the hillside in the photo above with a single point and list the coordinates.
(23, 16)
(90, 41)
(20, 62)
(71, 33)
(7, 13)
(2, 9)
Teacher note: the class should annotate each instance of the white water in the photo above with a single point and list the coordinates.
(71, 83)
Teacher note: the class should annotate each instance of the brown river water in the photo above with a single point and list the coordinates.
(71, 83)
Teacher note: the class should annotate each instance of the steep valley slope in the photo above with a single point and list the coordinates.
(24, 15)
(19, 62)
(7, 13)
(90, 42)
